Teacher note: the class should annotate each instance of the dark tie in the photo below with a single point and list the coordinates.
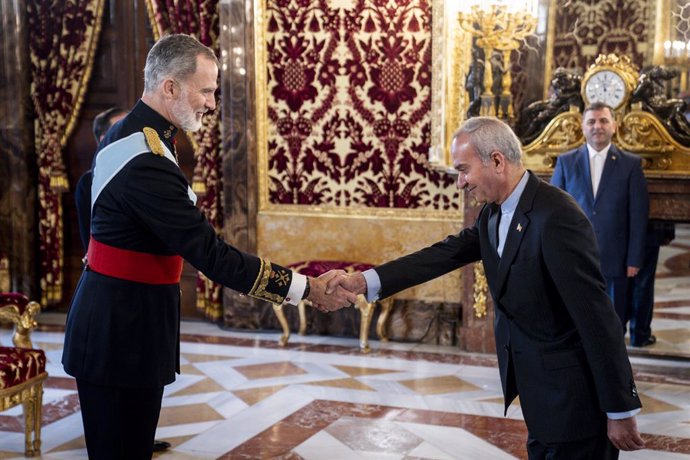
(494, 221)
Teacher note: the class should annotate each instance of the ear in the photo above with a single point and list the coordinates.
(497, 160)
(170, 90)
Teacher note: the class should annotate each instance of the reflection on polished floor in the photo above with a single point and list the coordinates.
(240, 396)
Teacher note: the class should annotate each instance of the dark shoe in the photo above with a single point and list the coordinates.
(650, 341)
(160, 445)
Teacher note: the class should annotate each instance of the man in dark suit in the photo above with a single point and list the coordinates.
(559, 342)
(82, 193)
(122, 340)
(641, 291)
(610, 187)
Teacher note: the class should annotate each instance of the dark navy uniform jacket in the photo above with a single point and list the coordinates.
(126, 333)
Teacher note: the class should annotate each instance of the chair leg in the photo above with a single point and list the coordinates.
(38, 418)
(386, 306)
(365, 309)
(278, 310)
(32, 421)
(301, 307)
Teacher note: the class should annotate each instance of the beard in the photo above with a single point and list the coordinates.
(185, 114)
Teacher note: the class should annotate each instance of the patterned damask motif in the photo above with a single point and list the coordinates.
(62, 42)
(349, 105)
(587, 28)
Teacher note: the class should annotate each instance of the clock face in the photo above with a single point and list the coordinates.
(606, 86)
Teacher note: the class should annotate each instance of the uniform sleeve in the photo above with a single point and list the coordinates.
(156, 195)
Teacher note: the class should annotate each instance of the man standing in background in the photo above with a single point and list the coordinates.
(82, 193)
(641, 293)
(610, 187)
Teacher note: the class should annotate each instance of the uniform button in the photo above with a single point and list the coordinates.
(594, 213)
(506, 347)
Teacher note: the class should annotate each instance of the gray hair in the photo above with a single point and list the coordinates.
(174, 56)
(489, 134)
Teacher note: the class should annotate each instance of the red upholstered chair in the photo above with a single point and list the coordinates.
(315, 268)
(22, 368)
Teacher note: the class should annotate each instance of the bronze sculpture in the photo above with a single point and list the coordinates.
(651, 93)
(534, 118)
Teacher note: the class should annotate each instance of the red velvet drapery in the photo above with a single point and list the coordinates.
(63, 36)
(200, 19)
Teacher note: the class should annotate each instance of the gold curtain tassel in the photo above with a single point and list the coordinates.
(58, 181)
(199, 187)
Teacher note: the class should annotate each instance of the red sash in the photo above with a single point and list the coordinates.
(133, 265)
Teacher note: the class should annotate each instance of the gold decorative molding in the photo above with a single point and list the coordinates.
(563, 133)
(643, 134)
(481, 289)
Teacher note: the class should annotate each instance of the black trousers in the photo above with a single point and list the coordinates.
(119, 423)
(595, 448)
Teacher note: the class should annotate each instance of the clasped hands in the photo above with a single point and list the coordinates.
(336, 289)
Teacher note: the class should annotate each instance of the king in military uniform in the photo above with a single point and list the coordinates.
(122, 336)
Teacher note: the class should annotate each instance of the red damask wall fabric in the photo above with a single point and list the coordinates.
(587, 28)
(199, 18)
(349, 100)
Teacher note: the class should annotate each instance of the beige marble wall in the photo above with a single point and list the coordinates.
(291, 238)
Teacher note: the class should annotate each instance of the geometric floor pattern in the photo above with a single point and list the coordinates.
(241, 396)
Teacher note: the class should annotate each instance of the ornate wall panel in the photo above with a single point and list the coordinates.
(347, 104)
(587, 28)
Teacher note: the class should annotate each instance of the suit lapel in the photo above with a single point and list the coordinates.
(517, 230)
(609, 167)
(585, 171)
(493, 226)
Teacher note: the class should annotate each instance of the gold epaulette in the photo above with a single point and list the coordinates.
(154, 141)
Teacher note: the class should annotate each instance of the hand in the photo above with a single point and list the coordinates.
(633, 271)
(354, 282)
(329, 300)
(624, 435)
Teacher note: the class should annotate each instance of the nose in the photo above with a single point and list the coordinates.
(211, 101)
(461, 183)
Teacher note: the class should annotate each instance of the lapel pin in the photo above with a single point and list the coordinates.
(519, 227)
(613, 157)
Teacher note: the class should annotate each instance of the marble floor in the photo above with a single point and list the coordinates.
(241, 396)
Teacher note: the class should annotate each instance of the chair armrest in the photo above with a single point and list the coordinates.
(22, 314)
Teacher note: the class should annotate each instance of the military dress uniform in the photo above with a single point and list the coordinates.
(123, 326)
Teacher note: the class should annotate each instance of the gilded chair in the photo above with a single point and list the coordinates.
(22, 368)
(315, 268)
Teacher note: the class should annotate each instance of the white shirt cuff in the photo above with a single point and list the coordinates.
(373, 284)
(622, 415)
(296, 291)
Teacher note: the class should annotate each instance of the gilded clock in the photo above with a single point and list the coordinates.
(611, 80)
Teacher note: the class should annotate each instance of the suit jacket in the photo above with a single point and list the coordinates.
(82, 197)
(620, 210)
(124, 333)
(559, 342)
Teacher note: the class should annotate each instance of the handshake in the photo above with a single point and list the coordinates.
(336, 289)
